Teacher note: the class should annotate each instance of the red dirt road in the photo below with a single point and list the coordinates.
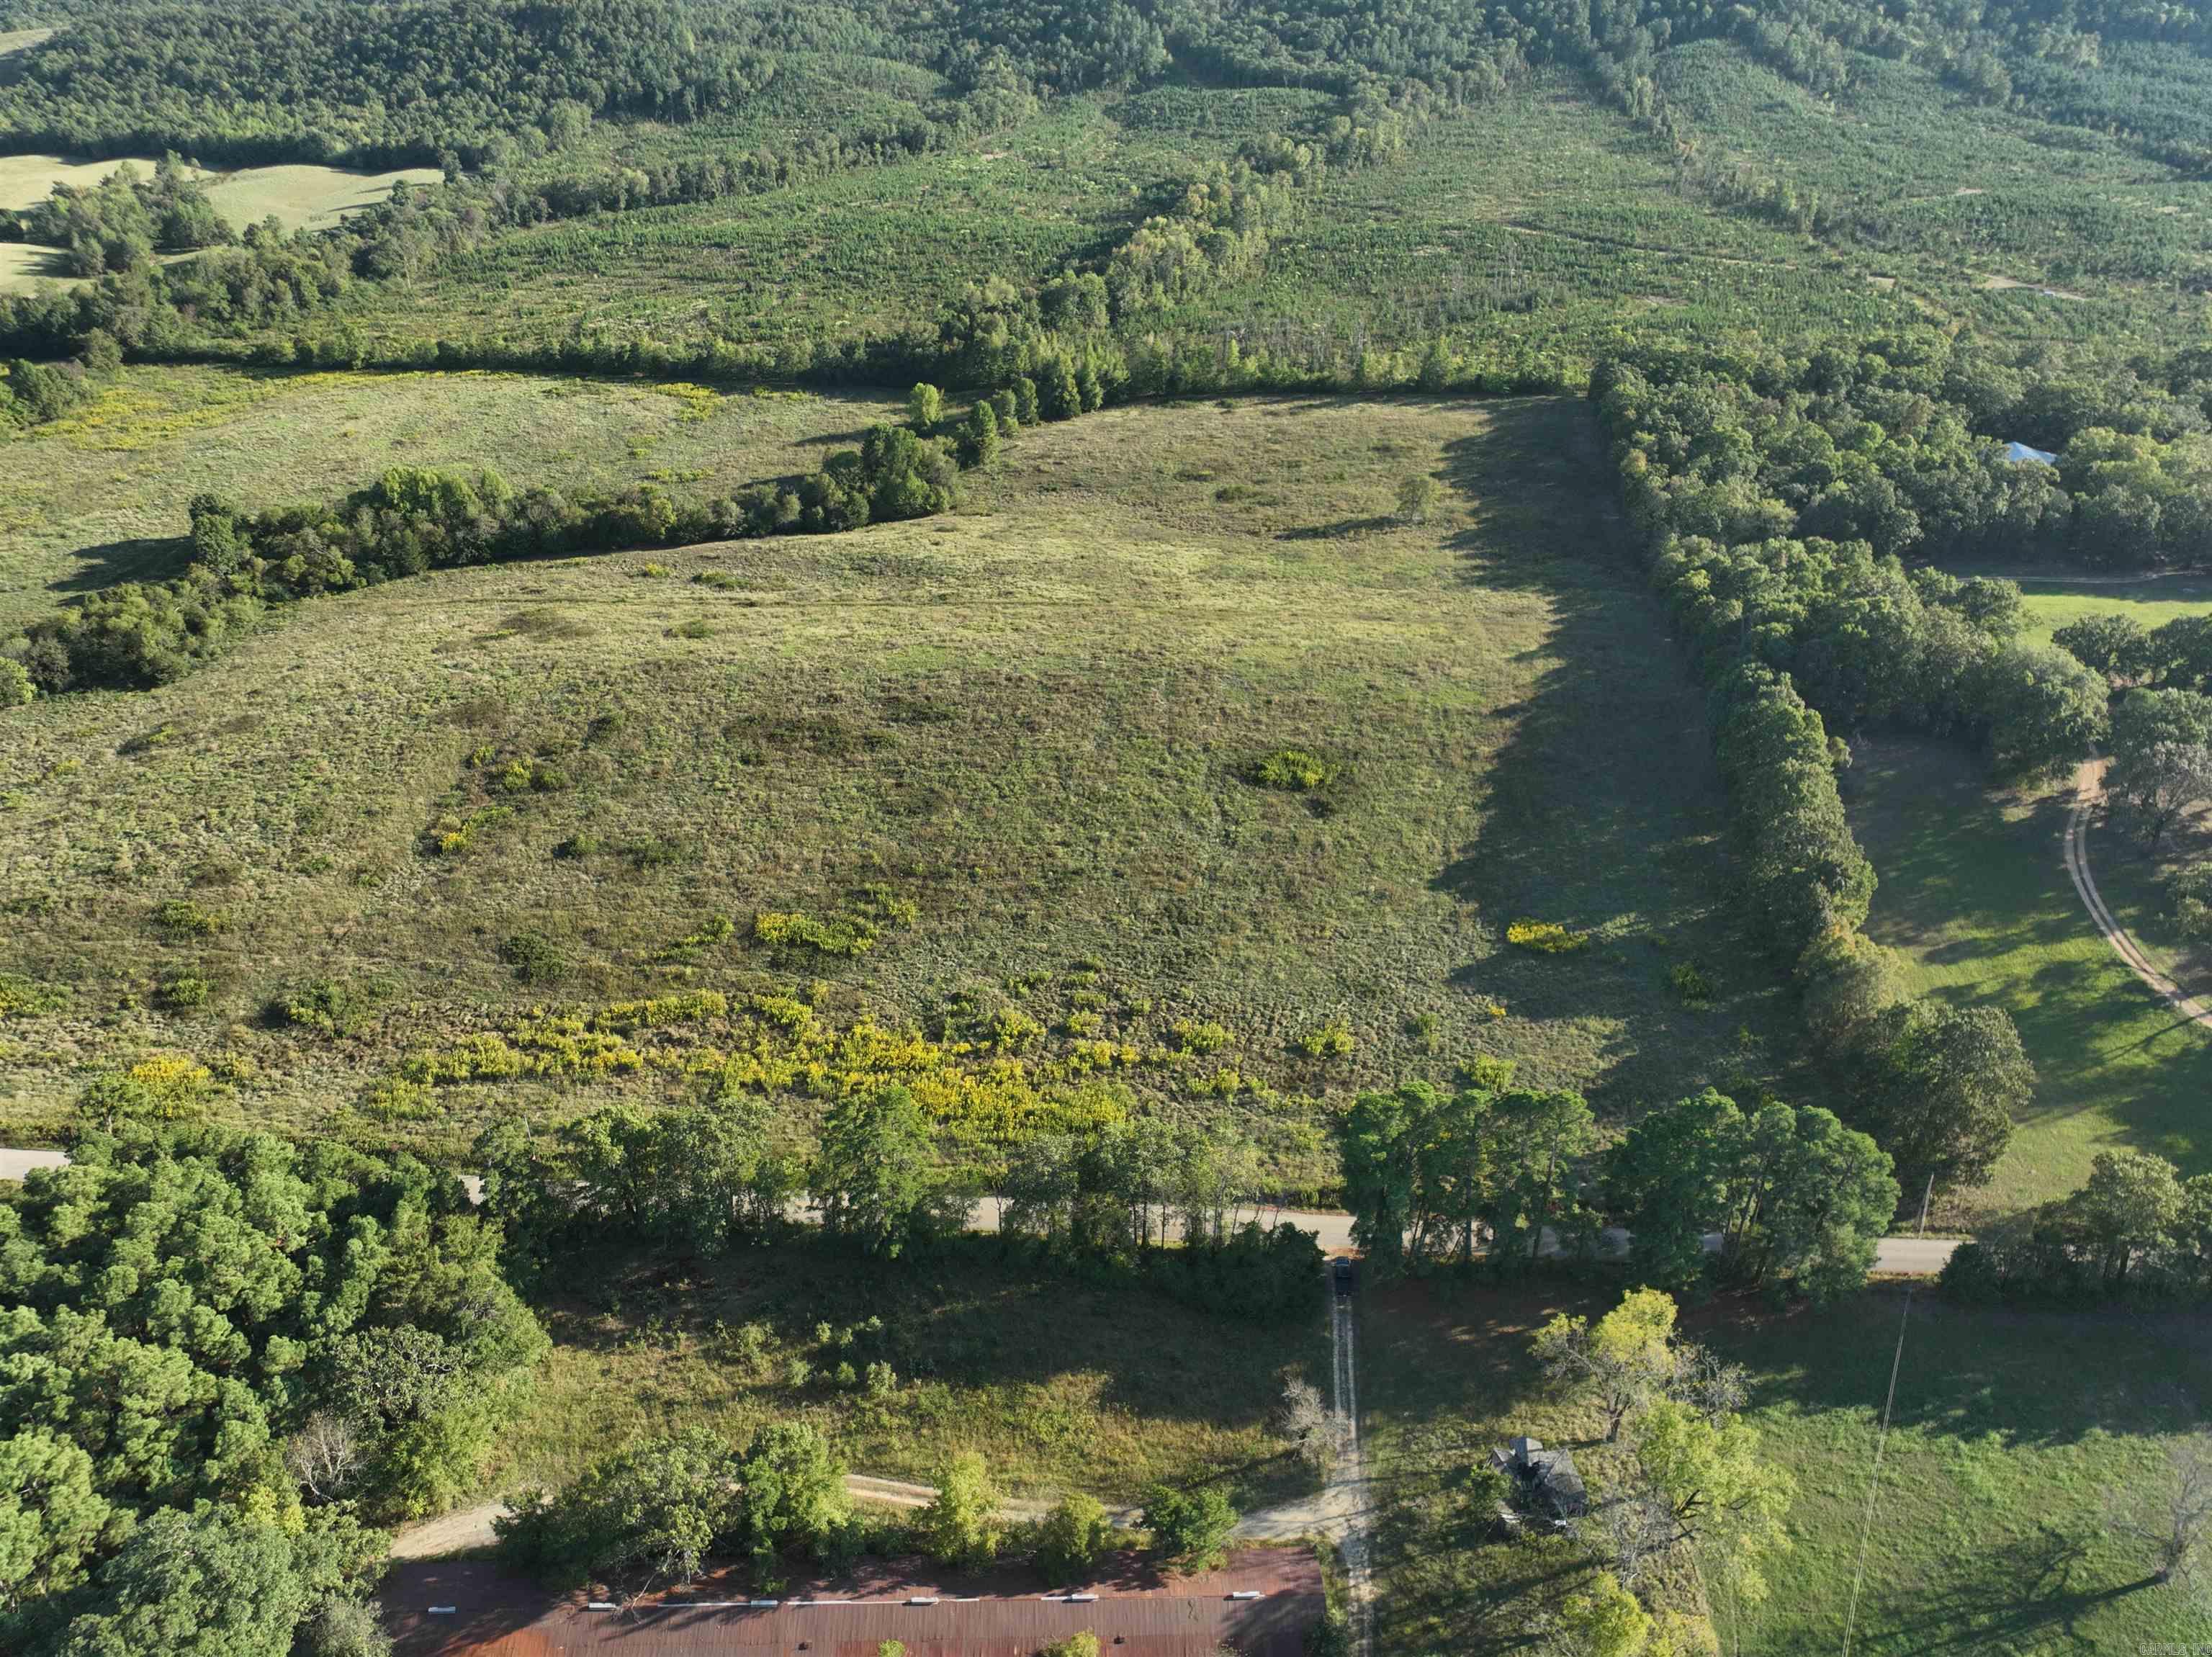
(497, 1616)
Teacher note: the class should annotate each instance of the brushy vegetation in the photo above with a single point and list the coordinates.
(1090, 871)
(1063, 1387)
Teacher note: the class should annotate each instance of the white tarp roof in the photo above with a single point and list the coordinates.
(2022, 452)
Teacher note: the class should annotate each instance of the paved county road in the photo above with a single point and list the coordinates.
(1895, 1257)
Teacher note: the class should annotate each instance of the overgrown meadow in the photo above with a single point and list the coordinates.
(397, 867)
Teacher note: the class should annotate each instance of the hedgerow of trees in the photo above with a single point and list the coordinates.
(1799, 1200)
(136, 635)
(1099, 1194)
(1777, 502)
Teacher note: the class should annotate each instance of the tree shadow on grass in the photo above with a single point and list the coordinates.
(1975, 884)
(2024, 1591)
(1602, 810)
(149, 559)
(1995, 1379)
(1338, 530)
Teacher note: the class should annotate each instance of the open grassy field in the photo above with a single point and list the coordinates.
(26, 181)
(1033, 721)
(297, 197)
(2052, 601)
(1974, 893)
(101, 497)
(2013, 1432)
(300, 197)
(1062, 1385)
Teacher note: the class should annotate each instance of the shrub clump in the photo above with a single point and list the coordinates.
(323, 1006)
(851, 932)
(534, 957)
(181, 918)
(180, 989)
(454, 835)
(1692, 985)
(834, 936)
(1196, 1035)
(398, 1099)
(1545, 937)
(1298, 770)
(20, 995)
(1333, 1040)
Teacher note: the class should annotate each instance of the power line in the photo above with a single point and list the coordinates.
(1881, 1439)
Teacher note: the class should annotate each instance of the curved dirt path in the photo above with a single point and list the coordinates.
(466, 1529)
(1328, 1512)
(2089, 792)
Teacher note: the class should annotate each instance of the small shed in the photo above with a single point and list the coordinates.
(1544, 1480)
(2021, 454)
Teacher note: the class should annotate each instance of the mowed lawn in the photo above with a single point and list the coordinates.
(1036, 721)
(2016, 1435)
(2052, 601)
(1974, 892)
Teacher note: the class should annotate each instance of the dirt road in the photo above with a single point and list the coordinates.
(2088, 794)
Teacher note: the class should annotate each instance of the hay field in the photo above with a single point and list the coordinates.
(304, 196)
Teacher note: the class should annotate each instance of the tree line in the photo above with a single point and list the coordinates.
(1510, 1175)
(2135, 1233)
(1098, 1193)
(139, 634)
(1774, 500)
(652, 1515)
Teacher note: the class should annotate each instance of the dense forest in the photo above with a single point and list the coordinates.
(222, 1354)
(378, 83)
(369, 84)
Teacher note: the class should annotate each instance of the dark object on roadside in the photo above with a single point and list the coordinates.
(1345, 1274)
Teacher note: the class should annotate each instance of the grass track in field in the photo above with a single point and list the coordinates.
(1974, 892)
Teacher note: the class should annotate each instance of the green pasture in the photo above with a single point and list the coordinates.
(1976, 896)
(2018, 1440)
